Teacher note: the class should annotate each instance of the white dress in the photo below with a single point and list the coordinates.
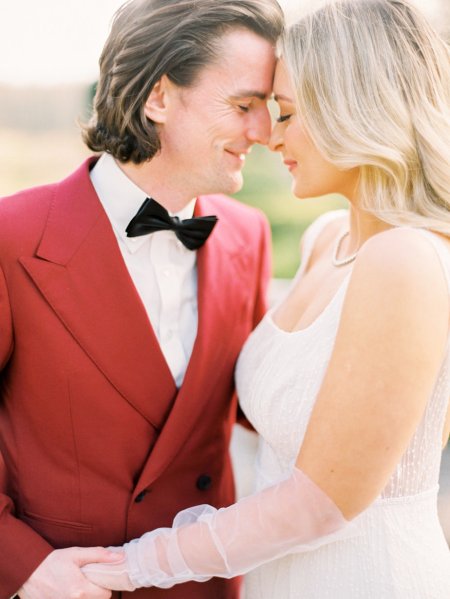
(396, 548)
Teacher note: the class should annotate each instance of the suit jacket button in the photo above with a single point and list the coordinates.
(140, 497)
(204, 482)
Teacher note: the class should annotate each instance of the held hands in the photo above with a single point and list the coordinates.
(59, 576)
(114, 576)
(293, 515)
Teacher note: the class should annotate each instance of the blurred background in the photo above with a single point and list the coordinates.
(48, 67)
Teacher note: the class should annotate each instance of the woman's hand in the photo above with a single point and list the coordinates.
(113, 576)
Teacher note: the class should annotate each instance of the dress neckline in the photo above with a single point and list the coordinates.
(270, 319)
(438, 244)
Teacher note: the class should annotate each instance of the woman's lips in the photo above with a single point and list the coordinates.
(291, 164)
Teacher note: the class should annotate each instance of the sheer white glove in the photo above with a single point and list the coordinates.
(293, 515)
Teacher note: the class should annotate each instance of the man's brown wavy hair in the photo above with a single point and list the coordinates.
(152, 38)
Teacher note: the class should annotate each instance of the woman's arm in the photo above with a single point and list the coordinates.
(388, 351)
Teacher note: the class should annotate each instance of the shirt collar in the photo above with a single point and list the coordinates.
(121, 199)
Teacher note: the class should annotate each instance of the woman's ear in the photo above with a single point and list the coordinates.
(158, 100)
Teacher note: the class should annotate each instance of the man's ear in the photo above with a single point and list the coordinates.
(158, 100)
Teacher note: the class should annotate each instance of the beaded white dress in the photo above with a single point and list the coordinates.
(396, 548)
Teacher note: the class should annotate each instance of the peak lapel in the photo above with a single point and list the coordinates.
(81, 273)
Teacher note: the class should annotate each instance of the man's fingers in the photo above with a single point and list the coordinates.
(59, 576)
(88, 555)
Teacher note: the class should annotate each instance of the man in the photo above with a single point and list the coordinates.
(119, 333)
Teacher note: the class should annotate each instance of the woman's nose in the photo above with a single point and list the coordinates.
(276, 139)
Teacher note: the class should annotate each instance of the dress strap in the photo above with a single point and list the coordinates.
(313, 233)
(441, 251)
(308, 241)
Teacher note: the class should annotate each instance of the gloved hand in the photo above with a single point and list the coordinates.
(292, 515)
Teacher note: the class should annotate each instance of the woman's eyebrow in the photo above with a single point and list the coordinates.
(278, 97)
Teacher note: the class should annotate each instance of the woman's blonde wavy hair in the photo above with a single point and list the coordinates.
(372, 81)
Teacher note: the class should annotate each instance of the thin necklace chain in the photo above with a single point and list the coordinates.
(337, 247)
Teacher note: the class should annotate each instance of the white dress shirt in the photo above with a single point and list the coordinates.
(162, 269)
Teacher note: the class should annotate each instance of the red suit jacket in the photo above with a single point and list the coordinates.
(98, 444)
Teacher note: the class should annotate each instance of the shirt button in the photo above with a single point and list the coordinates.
(204, 482)
(169, 334)
(166, 272)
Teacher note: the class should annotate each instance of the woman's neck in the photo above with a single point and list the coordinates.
(363, 225)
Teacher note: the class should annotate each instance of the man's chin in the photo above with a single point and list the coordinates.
(236, 182)
(227, 183)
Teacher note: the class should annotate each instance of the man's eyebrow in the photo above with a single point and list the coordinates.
(278, 97)
(250, 93)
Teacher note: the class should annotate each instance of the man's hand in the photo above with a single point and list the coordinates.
(59, 576)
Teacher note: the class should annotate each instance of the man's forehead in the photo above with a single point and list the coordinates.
(241, 70)
(248, 58)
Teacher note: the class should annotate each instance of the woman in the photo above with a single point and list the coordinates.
(348, 379)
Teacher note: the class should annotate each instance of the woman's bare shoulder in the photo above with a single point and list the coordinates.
(401, 257)
(398, 278)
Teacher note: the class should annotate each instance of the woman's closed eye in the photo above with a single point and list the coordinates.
(283, 118)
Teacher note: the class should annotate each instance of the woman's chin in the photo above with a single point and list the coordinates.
(303, 194)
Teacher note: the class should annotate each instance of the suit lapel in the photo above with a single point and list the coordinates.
(79, 270)
(81, 273)
(221, 273)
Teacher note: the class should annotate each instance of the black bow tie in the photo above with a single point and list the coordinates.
(151, 217)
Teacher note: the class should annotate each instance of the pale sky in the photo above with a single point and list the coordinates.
(59, 41)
